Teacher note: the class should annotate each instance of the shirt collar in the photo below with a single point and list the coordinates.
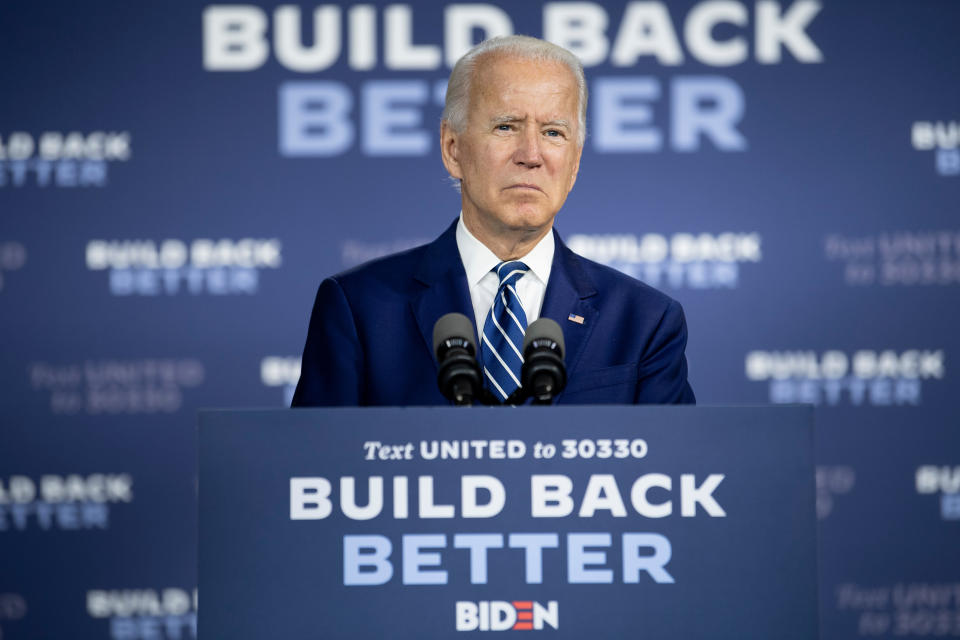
(478, 260)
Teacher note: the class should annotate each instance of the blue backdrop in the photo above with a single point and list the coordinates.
(176, 178)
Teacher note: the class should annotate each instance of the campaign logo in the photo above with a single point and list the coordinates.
(680, 261)
(282, 372)
(941, 137)
(113, 387)
(57, 159)
(13, 256)
(136, 614)
(899, 258)
(506, 615)
(173, 267)
(832, 482)
(865, 378)
(66, 503)
(945, 481)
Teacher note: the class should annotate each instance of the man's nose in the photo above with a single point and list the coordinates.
(528, 149)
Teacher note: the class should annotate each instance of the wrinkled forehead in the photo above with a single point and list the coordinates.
(501, 78)
(501, 65)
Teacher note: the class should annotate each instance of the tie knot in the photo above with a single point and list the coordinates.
(510, 272)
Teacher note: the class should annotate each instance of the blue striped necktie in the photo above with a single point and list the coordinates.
(503, 332)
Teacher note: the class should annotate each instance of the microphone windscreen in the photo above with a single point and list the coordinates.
(453, 325)
(544, 328)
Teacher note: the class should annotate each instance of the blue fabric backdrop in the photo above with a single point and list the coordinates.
(176, 179)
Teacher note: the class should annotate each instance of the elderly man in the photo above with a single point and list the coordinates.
(511, 136)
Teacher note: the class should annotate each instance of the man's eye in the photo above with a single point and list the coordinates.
(503, 127)
(554, 133)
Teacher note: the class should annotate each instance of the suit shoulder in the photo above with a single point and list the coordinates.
(611, 282)
(390, 269)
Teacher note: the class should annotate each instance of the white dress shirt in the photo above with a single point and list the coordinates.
(478, 262)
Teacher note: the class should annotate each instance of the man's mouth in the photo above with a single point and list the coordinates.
(525, 185)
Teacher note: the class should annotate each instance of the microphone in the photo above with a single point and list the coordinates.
(459, 376)
(543, 375)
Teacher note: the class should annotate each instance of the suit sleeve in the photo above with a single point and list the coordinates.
(331, 369)
(663, 370)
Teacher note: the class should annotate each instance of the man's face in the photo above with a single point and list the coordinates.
(518, 156)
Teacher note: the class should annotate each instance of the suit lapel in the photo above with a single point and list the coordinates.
(568, 295)
(445, 290)
(445, 286)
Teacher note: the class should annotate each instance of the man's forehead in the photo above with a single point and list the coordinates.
(501, 78)
(499, 62)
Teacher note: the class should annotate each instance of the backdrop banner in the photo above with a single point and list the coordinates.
(177, 178)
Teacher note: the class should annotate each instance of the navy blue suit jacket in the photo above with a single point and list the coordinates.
(371, 332)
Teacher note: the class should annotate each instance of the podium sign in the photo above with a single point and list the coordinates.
(572, 522)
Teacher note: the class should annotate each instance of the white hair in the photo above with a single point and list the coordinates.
(457, 101)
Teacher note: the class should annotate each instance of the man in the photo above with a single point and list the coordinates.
(511, 136)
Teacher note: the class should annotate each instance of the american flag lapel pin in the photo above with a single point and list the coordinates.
(575, 318)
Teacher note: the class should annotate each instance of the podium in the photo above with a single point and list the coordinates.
(574, 522)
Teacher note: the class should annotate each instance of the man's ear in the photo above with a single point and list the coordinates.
(449, 150)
